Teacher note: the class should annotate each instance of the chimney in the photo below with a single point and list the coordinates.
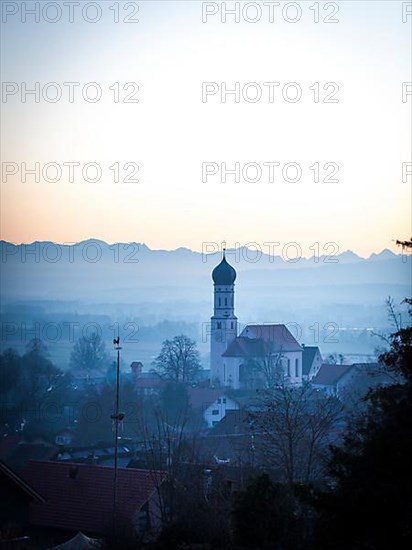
(136, 368)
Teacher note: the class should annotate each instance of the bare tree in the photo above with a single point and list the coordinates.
(42, 374)
(394, 318)
(268, 362)
(335, 359)
(178, 360)
(294, 428)
(167, 448)
(89, 353)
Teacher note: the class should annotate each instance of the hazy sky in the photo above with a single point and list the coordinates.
(170, 132)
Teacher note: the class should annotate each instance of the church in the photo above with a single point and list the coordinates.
(261, 356)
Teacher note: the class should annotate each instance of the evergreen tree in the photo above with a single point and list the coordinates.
(371, 504)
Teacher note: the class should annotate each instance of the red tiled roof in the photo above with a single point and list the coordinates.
(330, 374)
(80, 496)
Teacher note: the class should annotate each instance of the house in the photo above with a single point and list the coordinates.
(100, 454)
(234, 423)
(82, 378)
(145, 383)
(15, 498)
(231, 441)
(311, 362)
(354, 380)
(80, 496)
(212, 480)
(213, 403)
(65, 437)
(334, 379)
(149, 384)
(260, 356)
(367, 376)
(136, 368)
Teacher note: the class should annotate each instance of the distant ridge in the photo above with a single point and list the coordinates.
(345, 256)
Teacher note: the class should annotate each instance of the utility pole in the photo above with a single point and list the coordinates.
(117, 417)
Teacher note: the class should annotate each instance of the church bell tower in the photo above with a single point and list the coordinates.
(224, 322)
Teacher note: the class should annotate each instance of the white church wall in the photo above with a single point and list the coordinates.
(293, 366)
(232, 372)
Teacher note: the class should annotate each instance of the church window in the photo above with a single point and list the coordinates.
(288, 367)
(220, 302)
(215, 412)
(296, 367)
(225, 301)
(224, 400)
(219, 325)
(231, 325)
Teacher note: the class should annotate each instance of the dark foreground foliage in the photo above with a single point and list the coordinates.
(370, 506)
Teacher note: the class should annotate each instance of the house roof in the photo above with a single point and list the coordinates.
(308, 356)
(80, 496)
(24, 451)
(234, 422)
(79, 542)
(201, 398)
(368, 367)
(260, 340)
(279, 335)
(11, 476)
(370, 375)
(329, 375)
(229, 439)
